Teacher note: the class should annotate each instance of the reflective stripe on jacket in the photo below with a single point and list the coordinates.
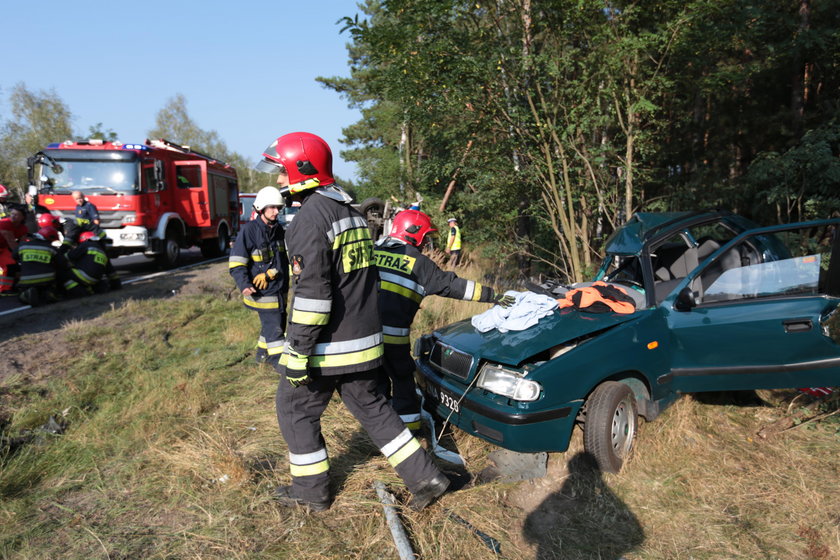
(406, 276)
(257, 248)
(334, 320)
(90, 263)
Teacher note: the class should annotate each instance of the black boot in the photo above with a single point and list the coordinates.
(283, 496)
(428, 492)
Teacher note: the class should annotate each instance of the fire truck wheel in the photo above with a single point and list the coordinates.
(170, 254)
(216, 246)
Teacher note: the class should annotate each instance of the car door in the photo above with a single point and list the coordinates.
(191, 192)
(758, 313)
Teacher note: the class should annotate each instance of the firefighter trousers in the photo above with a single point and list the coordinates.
(299, 415)
(272, 313)
(398, 369)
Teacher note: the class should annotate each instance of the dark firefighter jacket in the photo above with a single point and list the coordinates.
(85, 215)
(90, 263)
(257, 248)
(406, 276)
(39, 262)
(334, 318)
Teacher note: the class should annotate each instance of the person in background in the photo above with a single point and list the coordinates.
(4, 198)
(260, 267)
(334, 337)
(86, 218)
(453, 242)
(406, 276)
(12, 230)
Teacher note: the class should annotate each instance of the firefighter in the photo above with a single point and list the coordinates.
(260, 267)
(12, 229)
(41, 266)
(453, 242)
(4, 198)
(334, 337)
(86, 218)
(406, 276)
(91, 271)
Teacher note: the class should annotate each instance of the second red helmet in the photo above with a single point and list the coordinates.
(304, 157)
(85, 235)
(412, 226)
(49, 233)
(46, 219)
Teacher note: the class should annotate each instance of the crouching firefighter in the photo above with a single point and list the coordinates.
(334, 337)
(41, 267)
(406, 276)
(260, 268)
(90, 268)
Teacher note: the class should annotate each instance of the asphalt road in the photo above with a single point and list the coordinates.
(128, 267)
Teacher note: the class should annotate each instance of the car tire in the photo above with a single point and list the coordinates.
(216, 246)
(611, 424)
(373, 210)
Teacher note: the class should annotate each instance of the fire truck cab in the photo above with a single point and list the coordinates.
(154, 198)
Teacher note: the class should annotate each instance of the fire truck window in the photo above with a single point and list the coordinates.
(189, 176)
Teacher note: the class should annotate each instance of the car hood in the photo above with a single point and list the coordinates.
(515, 347)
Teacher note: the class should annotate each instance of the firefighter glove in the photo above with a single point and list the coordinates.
(262, 279)
(296, 369)
(503, 300)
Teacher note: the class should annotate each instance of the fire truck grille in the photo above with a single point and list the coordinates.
(450, 361)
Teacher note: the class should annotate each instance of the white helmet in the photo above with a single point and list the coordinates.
(268, 196)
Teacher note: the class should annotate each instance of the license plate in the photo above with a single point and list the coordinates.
(444, 397)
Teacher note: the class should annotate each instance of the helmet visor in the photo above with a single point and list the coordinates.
(270, 161)
(268, 166)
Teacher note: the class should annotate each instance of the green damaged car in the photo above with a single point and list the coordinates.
(722, 304)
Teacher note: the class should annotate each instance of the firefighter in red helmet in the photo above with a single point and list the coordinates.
(334, 336)
(41, 267)
(406, 276)
(91, 270)
(4, 198)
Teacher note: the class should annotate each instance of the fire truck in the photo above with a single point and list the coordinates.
(154, 198)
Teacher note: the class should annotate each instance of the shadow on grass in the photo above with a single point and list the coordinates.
(584, 520)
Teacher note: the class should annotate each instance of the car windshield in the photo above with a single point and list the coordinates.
(91, 176)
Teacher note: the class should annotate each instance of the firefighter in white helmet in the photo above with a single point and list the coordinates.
(260, 268)
(334, 334)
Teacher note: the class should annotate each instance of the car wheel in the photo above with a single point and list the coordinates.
(610, 426)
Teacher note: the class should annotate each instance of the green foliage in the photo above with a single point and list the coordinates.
(37, 118)
(174, 123)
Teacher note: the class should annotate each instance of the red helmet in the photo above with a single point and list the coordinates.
(85, 235)
(305, 157)
(49, 233)
(412, 226)
(4, 193)
(46, 219)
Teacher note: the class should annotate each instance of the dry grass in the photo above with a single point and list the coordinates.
(172, 451)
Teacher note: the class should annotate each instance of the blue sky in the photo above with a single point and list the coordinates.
(247, 69)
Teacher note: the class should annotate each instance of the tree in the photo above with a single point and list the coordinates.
(174, 123)
(37, 119)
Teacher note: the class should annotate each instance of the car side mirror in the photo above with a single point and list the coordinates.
(685, 300)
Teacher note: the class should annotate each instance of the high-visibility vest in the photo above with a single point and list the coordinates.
(454, 241)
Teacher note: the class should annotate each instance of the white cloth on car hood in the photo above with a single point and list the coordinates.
(526, 312)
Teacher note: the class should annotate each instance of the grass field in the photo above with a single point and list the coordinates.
(170, 449)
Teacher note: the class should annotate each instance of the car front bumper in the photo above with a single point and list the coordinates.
(523, 431)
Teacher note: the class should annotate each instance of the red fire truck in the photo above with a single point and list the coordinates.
(153, 198)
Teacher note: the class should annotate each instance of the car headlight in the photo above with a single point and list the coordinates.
(508, 383)
(129, 219)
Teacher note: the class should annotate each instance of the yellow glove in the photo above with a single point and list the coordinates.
(261, 280)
